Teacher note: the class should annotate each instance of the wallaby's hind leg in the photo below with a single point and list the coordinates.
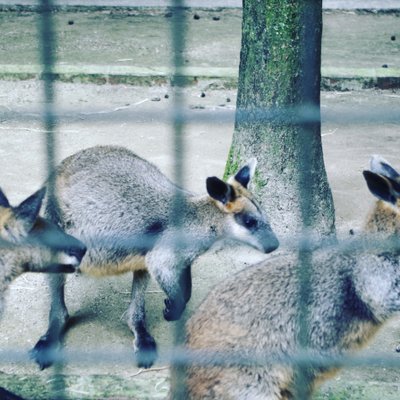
(145, 345)
(44, 351)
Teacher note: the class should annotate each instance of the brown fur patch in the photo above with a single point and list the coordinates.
(239, 189)
(128, 264)
(359, 335)
(201, 339)
(235, 206)
(5, 215)
(384, 218)
(324, 376)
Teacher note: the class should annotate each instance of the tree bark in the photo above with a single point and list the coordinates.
(278, 114)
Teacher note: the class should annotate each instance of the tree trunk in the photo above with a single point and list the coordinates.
(278, 114)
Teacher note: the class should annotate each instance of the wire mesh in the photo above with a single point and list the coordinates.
(306, 116)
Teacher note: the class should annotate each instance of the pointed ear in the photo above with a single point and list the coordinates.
(219, 190)
(380, 166)
(3, 200)
(381, 187)
(29, 209)
(246, 173)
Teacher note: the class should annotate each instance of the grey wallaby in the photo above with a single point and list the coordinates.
(121, 207)
(29, 243)
(255, 312)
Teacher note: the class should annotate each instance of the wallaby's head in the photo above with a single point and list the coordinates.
(377, 279)
(384, 183)
(244, 218)
(42, 245)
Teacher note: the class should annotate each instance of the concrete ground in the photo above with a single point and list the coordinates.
(355, 125)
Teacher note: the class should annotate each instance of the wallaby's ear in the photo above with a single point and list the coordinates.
(380, 166)
(219, 190)
(246, 173)
(381, 187)
(3, 200)
(29, 209)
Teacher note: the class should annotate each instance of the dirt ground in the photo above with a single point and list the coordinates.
(355, 125)
(142, 38)
(103, 45)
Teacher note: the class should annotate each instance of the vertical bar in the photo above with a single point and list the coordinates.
(47, 57)
(310, 63)
(178, 123)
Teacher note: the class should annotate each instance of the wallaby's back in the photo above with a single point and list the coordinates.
(254, 314)
(124, 183)
(111, 199)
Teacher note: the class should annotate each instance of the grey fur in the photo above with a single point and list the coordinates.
(29, 243)
(120, 206)
(255, 312)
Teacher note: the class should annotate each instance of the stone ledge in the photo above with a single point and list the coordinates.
(341, 79)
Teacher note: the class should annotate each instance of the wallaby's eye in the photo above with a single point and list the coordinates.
(250, 222)
(247, 221)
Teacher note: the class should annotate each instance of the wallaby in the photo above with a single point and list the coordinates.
(120, 206)
(31, 243)
(255, 313)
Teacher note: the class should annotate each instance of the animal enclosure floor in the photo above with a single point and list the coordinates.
(356, 124)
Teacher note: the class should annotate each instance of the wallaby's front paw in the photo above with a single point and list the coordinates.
(45, 352)
(146, 351)
(173, 310)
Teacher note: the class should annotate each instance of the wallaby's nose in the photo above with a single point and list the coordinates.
(78, 252)
(272, 244)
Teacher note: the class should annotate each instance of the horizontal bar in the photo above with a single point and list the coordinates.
(210, 357)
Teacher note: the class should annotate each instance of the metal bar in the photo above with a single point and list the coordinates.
(47, 55)
(178, 123)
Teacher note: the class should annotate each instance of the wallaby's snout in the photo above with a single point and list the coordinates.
(252, 227)
(67, 250)
(271, 242)
(71, 254)
(77, 251)
(50, 249)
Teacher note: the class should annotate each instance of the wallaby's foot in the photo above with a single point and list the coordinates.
(146, 351)
(45, 352)
(173, 309)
